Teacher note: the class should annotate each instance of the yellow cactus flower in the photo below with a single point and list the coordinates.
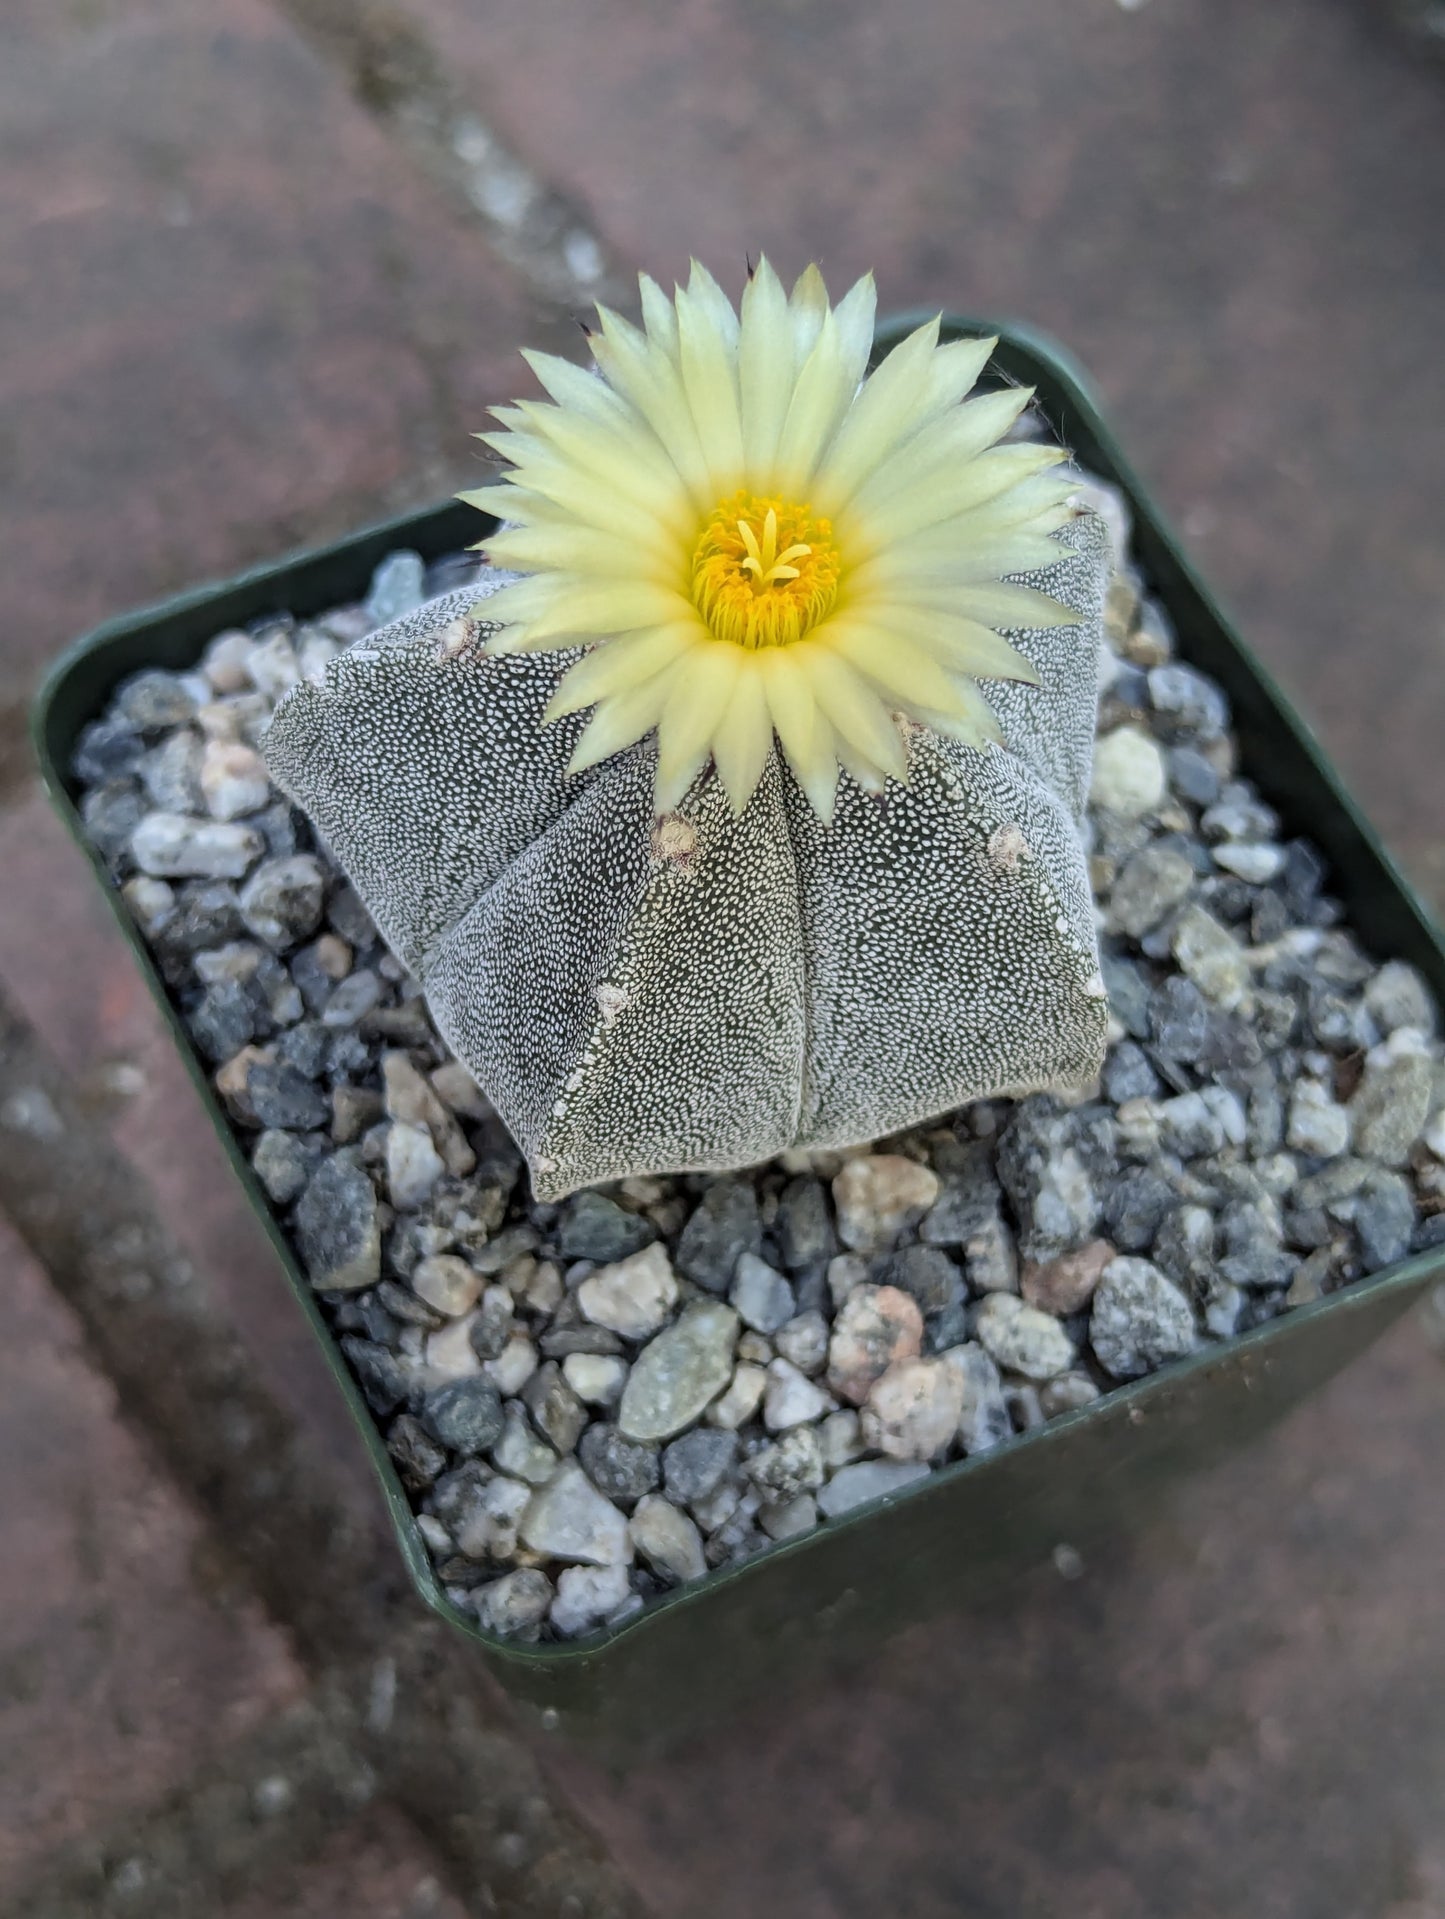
(749, 538)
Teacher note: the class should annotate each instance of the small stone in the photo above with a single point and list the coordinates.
(352, 1000)
(413, 1165)
(803, 1227)
(233, 779)
(1391, 1105)
(397, 587)
(1183, 1247)
(1139, 1320)
(1190, 1127)
(520, 1454)
(1066, 1285)
(283, 1164)
(694, 1466)
(568, 1518)
(515, 1604)
(869, 1479)
(1397, 996)
(803, 1341)
(1190, 705)
(1052, 1192)
(379, 1374)
(983, 1421)
(1223, 1305)
(1193, 776)
(622, 1468)
(1210, 956)
(596, 1378)
(1069, 1393)
(876, 1325)
(1021, 1338)
(410, 1099)
(1318, 1124)
(588, 1595)
(633, 1297)
(1128, 777)
(597, 1228)
(450, 1354)
(793, 1465)
(278, 1095)
(1384, 1221)
(152, 903)
(1256, 864)
(273, 665)
(174, 846)
(847, 1272)
(791, 1519)
(281, 902)
(459, 1092)
(791, 1398)
(171, 774)
(556, 1411)
(1156, 880)
(337, 1230)
(741, 1400)
(761, 1296)
(447, 1283)
(991, 1258)
(723, 1226)
(679, 1373)
(465, 1415)
(153, 701)
(877, 1195)
(667, 1539)
(513, 1366)
(223, 1020)
(913, 1411)
(483, 1514)
(841, 1438)
(1253, 1249)
(417, 1460)
(1179, 1019)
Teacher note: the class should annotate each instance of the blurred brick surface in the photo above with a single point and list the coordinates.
(124, 1662)
(1230, 212)
(1235, 1717)
(64, 961)
(378, 1869)
(232, 317)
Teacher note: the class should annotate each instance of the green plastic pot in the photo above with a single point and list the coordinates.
(843, 1587)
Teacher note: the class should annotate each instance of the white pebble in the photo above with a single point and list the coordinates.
(597, 1378)
(1129, 774)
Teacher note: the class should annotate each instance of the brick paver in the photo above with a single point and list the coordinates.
(1235, 1717)
(232, 318)
(127, 1657)
(378, 1869)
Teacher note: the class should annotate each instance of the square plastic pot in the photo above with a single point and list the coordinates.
(843, 1587)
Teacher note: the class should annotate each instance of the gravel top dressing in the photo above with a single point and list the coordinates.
(594, 1401)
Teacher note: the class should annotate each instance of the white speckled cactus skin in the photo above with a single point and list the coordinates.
(702, 992)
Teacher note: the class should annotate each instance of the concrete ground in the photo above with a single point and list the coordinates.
(263, 264)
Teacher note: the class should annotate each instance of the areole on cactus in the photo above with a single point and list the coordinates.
(695, 823)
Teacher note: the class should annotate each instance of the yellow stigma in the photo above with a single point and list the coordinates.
(765, 571)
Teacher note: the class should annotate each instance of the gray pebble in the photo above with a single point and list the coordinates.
(1138, 1320)
(1151, 885)
(283, 1164)
(595, 1227)
(1189, 706)
(337, 1230)
(803, 1227)
(1384, 1221)
(465, 1415)
(173, 846)
(869, 1479)
(568, 1518)
(679, 1372)
(761, 1296)
(516, 1604)
(153, 700)
(624, 1469)
(723, 1226)
(695, 1466)
(281, 902)
(397, 587)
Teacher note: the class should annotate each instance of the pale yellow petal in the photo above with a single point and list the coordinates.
(585, 550)
(622, 720)
(852, 706)
(573, 386)
(743, 736)
(708, 362)
(653, 384)
(700, 692)
(592, 608)
(765, 369)
(963, 646)
(620, 663)
(906, 671)
(893, 401)
(965, 557)
(807, 306)
(659, 316)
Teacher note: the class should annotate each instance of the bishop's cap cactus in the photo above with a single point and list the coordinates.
(692, 818)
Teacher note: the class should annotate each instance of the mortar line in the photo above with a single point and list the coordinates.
(184, 1380)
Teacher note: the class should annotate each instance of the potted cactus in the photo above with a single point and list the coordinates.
(781, 890)
(733, 828)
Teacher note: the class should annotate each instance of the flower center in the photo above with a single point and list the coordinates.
(765, 571)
